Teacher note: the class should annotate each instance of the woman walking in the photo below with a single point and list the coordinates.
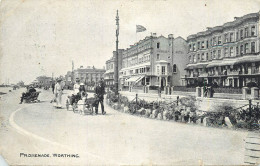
(58, 93)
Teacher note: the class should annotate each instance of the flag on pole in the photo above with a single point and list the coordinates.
(140, 28)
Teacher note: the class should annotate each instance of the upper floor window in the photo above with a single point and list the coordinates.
(158, 45)
(207, 56)
(241, 49)
(202, 57)
(198, 44)
(193, 47)
(226, 52)
(207, 44)
(198, 57)
(253, 47)
(226, 38)
(241, 34)
(194, 59)
(246, 32)
(246, 48)
(231, 51)
(163, 70)
(237, 37)
(214, 54)
(214, 41)
(202, 45)
(231, 37)
(174, 68)
(253, 31)
(219, 53)
(237, 51)
(158, 56)
(219, 40)
(190, 47)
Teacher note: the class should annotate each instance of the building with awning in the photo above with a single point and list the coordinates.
(154, 61)
(227, 55)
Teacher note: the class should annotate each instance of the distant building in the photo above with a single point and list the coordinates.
(68, 79)
(88, 75)
(43, 81)
(154, 61)
(109, 75)
(226, 55)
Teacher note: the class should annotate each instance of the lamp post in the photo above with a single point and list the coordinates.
(116, 58)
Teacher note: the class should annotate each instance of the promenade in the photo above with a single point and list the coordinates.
(114, 139)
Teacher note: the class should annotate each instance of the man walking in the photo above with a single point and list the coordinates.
(99, 92)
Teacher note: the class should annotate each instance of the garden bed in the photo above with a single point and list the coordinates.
(185, 110)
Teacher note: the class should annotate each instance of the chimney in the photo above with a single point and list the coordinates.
(170, 36)
(81, 67)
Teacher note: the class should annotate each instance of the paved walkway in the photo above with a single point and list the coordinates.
(114, 139)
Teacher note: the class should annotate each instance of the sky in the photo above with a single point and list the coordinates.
(41, 37)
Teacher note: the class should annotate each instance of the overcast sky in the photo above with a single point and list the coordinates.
(39, 37)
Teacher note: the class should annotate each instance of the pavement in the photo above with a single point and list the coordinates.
(112, 139)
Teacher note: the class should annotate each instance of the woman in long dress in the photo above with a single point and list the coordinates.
(58, 93)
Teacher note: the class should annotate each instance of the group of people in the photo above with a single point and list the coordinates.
(79, 92)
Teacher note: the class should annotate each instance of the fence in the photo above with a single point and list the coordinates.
(228, 90)
(184, 89)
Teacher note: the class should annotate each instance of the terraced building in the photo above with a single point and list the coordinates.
(226, 55)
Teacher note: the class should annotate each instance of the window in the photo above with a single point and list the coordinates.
(194, 59)
(237, 35)
(214, 54)
(219, 40)
(246, 32)
(198, 45)
(219, 53)
(241, 34)
(207, 56)
(202, 45)
(202, 57)
(158, 45)
(174, 68)
(158, 70)
(241, 50)
(231, 51)
(214, 41)
(226, 52)
(237, 51)
(253, 31)
(207, 44)
(190, 47)
(163, 70)
(226, 38)
(158, 56)
(193, 47)
(246, 48)
(198, 57)
(231, 37)
(253, 47)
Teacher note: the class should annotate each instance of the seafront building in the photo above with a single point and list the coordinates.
(88, 75)
(109, 75)
(226, 55)
(154, 62)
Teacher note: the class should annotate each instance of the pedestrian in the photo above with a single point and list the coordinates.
(99, 93)
(53, 86)
(58, 93)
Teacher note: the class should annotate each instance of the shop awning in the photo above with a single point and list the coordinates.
(249, 59)
(135, 79)
(221, 63)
